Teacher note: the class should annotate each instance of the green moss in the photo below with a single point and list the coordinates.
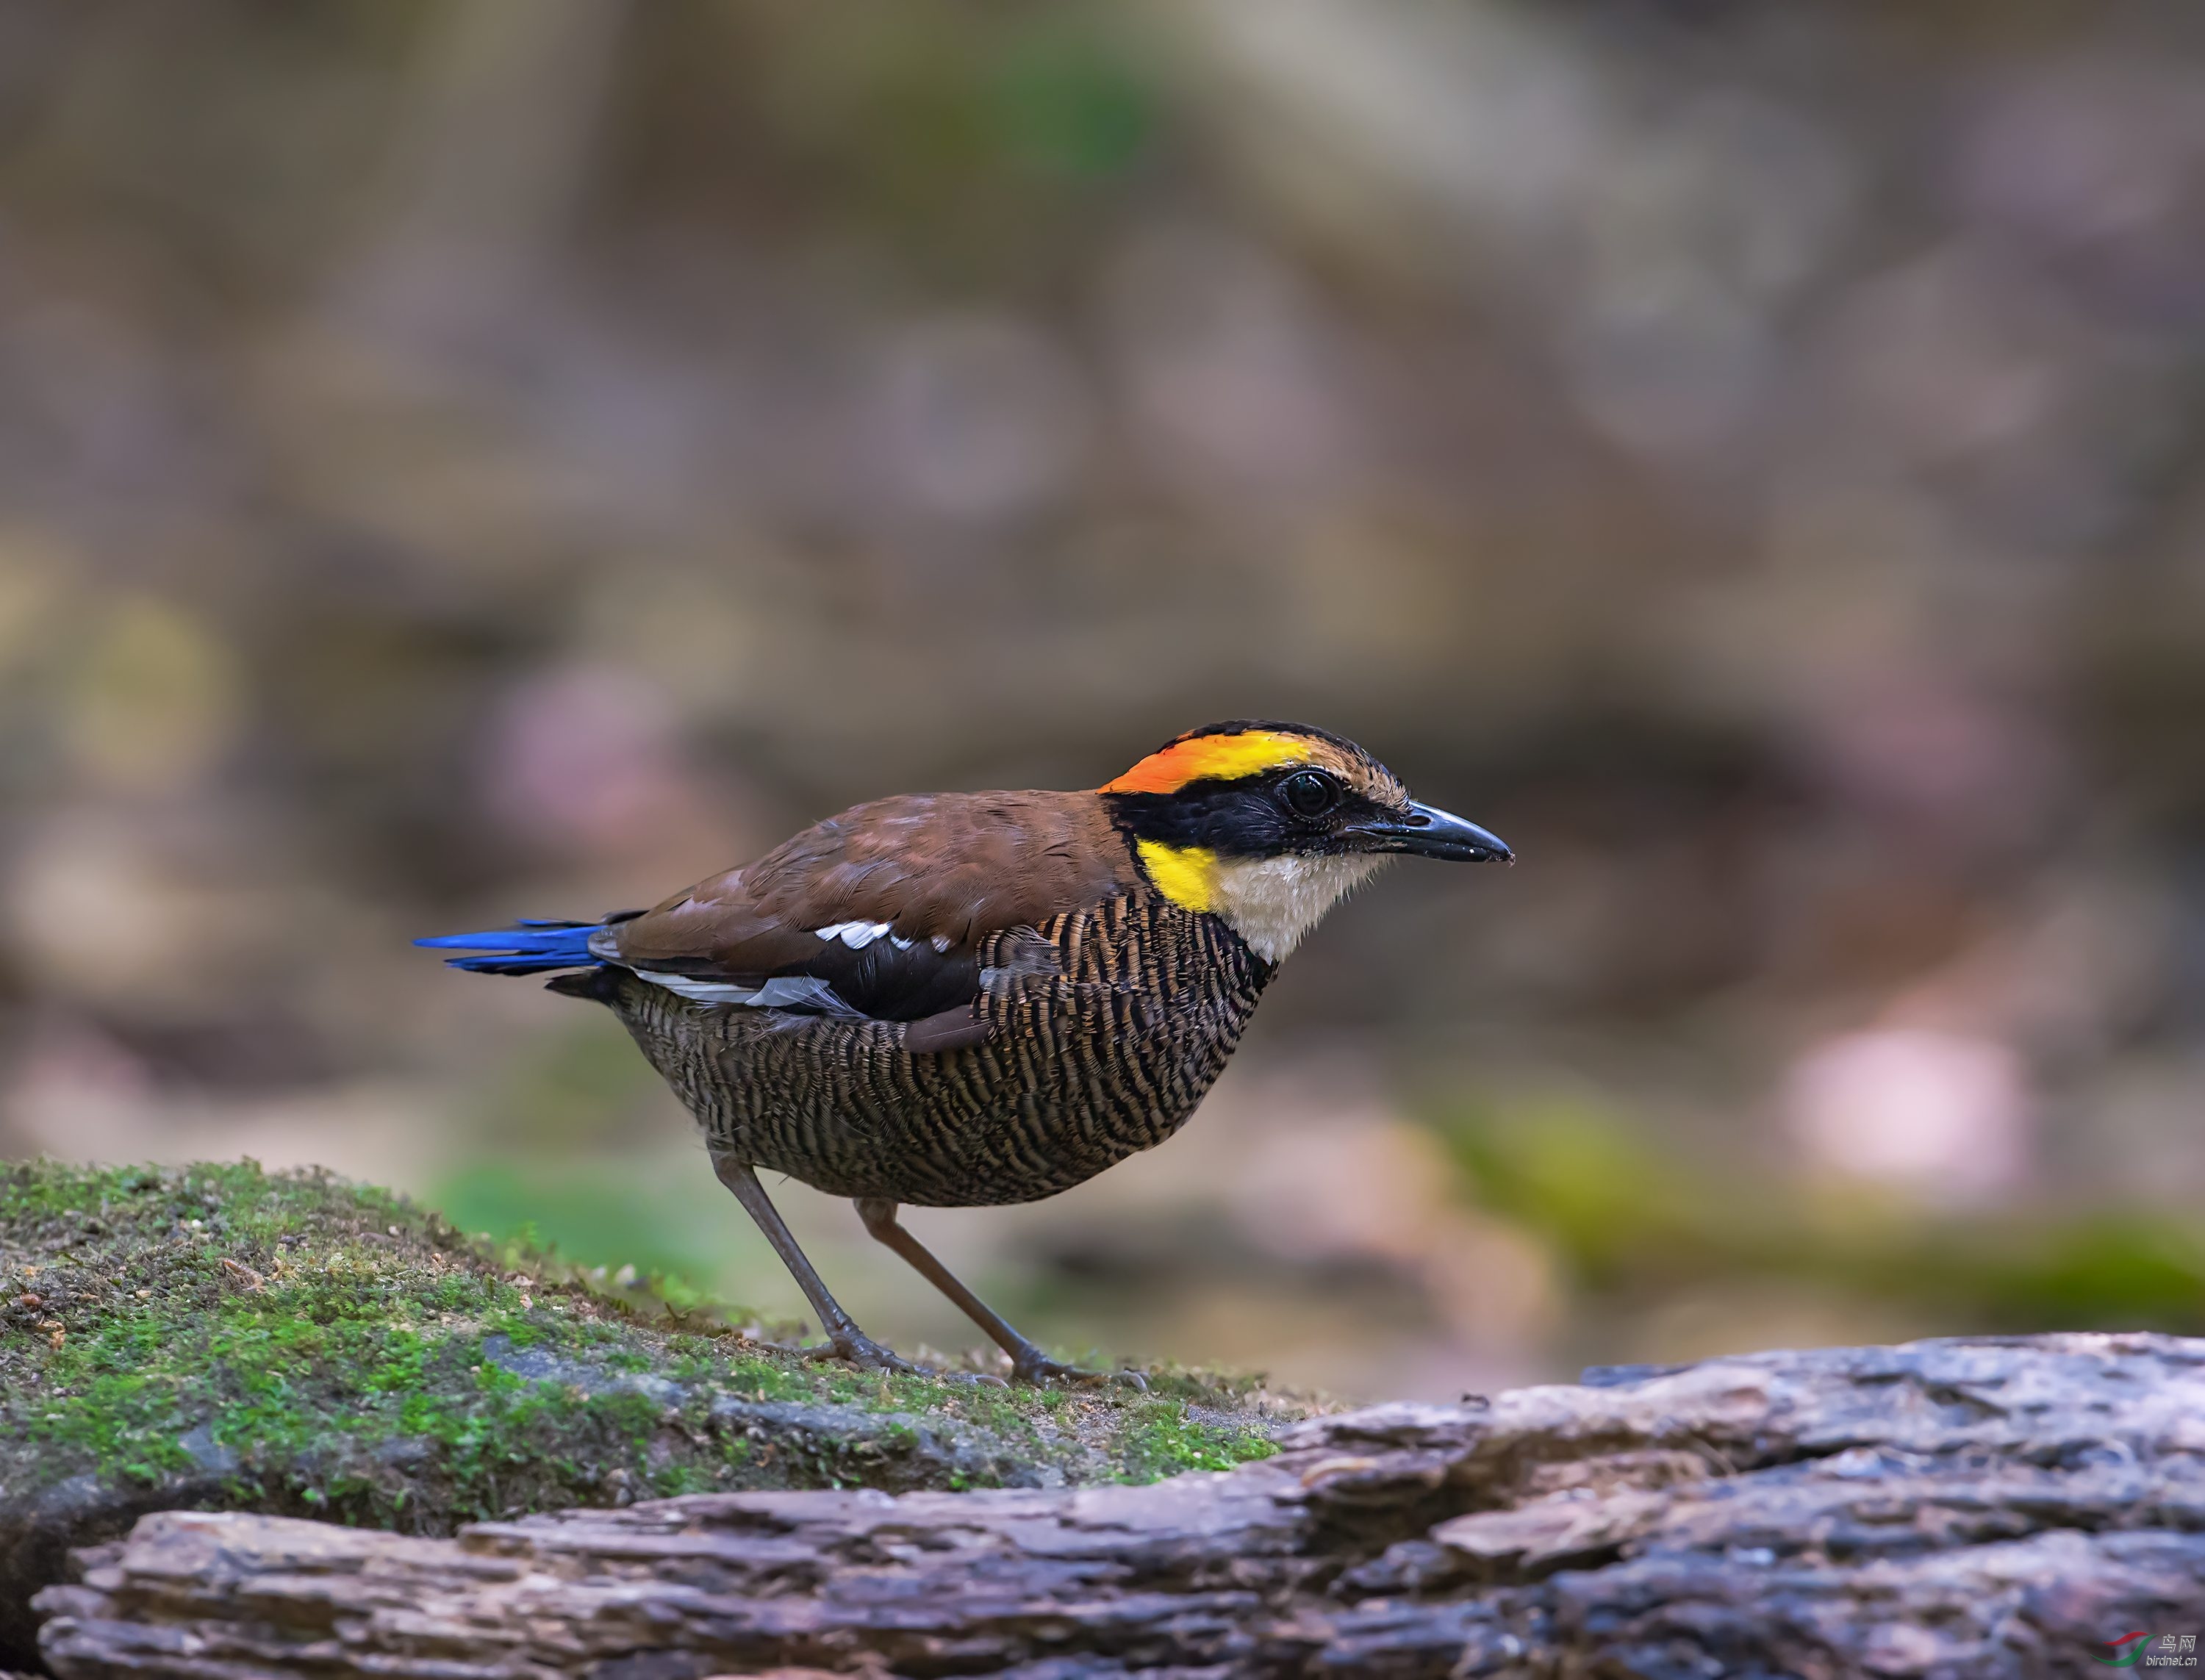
(1630, 1225)
(1170, 1442)
(295, 1342)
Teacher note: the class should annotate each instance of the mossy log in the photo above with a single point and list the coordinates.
(220, 1338)
(1944, 1509)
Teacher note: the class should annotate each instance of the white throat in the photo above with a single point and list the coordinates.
(1272, 902)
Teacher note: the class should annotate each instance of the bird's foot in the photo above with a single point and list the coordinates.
(854, 1347)
(868, 1355)
(1032, 1365)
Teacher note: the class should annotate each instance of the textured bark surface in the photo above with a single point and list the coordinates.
(1985, 1507)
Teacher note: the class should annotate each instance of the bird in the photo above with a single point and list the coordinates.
(973, 1000)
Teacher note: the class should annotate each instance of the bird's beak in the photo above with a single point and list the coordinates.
(1429, 832)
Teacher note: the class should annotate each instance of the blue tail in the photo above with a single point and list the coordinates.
(526, 947)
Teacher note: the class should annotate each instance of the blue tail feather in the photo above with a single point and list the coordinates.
(531, 945)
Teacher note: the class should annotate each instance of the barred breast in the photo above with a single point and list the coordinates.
(1100, 1053)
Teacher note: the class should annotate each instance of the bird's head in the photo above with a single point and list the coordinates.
(1268, 824)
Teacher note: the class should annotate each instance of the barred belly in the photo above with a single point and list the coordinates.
(1082, 1067)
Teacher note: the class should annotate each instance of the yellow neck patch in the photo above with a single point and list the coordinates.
(1186, 875)
(1223, 758)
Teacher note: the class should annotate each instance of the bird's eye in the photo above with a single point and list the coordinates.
(1310, 793)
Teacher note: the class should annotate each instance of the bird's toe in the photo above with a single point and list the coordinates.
(972, 1378)
(1035, 1367)
(863, 1352)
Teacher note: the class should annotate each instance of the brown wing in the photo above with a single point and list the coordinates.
(906, 889)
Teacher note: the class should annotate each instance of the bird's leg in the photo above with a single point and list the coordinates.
(1028, 1362)
(850, 1341)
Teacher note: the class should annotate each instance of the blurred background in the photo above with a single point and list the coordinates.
(519, 456)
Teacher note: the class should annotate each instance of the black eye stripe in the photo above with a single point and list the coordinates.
(1247, 818)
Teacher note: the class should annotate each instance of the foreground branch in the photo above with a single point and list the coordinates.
(1985, 1507)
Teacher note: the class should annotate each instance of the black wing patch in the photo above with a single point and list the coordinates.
(882, 979)
(890, 980)
(862, 970)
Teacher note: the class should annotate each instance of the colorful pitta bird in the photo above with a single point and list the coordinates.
(967, 1000)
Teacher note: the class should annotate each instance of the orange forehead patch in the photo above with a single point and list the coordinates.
(1222, 758)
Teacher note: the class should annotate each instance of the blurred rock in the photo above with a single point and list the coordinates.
(1944, 1117)
(980, 419)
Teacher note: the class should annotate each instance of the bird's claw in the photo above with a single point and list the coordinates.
(863, 1352)
(868, 1355)
(1035, 1367)
(1031, 1365)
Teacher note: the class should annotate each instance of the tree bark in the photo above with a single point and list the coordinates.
(1991, 1507)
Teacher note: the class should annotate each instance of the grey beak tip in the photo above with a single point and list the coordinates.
(1434, 832)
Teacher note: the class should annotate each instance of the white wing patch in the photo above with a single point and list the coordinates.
(858, 935)
(803, 992)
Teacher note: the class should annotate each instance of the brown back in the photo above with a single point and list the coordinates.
(950, 866)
